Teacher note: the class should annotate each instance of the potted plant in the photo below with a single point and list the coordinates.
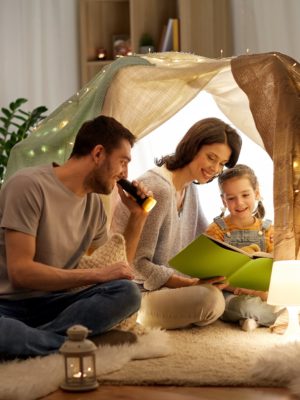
(146, 44)
(15, 126)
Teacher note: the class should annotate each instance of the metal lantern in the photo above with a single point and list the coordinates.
(80, 365)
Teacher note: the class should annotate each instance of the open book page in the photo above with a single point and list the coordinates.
(233, 248)
(261, 254)
(206, 257)
(255, 274)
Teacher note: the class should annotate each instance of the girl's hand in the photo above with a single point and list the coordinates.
(251, 249)
(250, 292)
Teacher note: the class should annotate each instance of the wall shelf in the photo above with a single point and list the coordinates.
(204, 27)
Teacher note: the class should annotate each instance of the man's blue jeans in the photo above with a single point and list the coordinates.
(37, 326)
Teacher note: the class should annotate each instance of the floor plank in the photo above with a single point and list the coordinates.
(174, 393)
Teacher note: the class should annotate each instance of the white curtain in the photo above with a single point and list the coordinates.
(266, 25)
(39, 51)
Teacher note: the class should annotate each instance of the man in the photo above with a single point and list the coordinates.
(50, 216)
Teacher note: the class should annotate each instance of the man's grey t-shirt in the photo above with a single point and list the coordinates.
(35, 202)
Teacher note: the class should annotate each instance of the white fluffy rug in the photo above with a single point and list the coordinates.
(216, 355)
(37, 377)
(280, 366)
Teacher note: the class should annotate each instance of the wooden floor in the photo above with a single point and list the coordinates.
(174, 393)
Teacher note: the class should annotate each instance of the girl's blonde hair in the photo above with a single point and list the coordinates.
(242, 171)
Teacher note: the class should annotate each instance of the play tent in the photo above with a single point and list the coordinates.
(259, 93)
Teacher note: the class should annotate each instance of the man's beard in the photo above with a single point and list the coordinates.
(97, 182)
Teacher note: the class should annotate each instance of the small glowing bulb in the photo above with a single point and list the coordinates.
(296, 164)
(63, 124)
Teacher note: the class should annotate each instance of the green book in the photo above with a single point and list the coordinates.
(206, 257)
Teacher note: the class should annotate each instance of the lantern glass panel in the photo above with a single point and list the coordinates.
(73, 367)
(88, 366)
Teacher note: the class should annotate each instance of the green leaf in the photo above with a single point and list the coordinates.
(17, 103)
(13, 132)
(3, 119)
(6, 112)
(40, 109)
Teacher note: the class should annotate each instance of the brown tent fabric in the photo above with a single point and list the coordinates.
(272, 83)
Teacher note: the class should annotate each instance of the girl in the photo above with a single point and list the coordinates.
(245, 228)
(172, 300)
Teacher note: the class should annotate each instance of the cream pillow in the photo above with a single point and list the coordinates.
(112, 251)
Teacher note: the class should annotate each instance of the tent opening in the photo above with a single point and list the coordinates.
(164, 139)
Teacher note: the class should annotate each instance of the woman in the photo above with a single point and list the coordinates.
(173, 300)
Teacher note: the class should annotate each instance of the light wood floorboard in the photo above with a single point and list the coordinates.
(174, 393)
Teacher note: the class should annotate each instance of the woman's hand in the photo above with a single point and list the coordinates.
(218, 281)
(176, 281)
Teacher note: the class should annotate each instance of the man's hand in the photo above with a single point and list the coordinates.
(137, 219)
(25, 272)
(128, 200)
(119, 270)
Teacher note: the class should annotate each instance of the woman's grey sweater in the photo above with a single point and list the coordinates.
(166, 231)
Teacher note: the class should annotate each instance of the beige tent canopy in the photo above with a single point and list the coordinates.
(258, 93)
